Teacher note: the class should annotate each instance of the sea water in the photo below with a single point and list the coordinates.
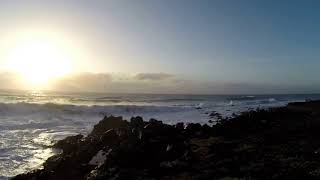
(31, 121)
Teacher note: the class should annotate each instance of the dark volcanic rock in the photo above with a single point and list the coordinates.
(180, 126)
(137, 122)
(69, 144)
(110, 137)
(108, 123)
(278, 143)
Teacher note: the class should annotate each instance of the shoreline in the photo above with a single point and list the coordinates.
(274, 143)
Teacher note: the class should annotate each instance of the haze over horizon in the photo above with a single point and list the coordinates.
(208, 47)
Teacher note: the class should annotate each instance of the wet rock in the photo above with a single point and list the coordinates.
(69, 144)
(154, 121)
(180, 126)
(137, 122)
(99, 158)
(107, 123)
(110, 137)
(173, 165)
(194, 129)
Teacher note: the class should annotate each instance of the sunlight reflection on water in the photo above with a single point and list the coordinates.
(39, 156)
(29, 151)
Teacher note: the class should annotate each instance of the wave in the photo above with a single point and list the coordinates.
(31, 115)
(242, 98)
(148, 100)
(272, 99)
(22, 108)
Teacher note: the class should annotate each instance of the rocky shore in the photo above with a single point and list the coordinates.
(277, 143)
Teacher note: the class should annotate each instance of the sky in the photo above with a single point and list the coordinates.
(172, 46)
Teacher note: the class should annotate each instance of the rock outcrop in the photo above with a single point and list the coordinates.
(278, 143)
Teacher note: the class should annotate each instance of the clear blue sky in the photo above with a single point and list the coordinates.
(269, 42)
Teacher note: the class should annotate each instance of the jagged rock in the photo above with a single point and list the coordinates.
(107, 123)
(110, 137)
(69, 144)
(180, 126)
(137, 122)
(154, 121)
(194, 129)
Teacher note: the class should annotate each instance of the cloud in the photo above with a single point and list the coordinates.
(153, 76)
(117, 83)
(159, 83)
(83, 82)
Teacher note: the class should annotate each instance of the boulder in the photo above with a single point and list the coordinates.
(180, 126)
(108, 123)
(109, 138)
(137, 122)
(69, 144)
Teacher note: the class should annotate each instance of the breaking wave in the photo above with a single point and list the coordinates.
(30, 123)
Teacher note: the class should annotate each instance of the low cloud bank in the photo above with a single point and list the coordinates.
(153, 76)
(161, 83)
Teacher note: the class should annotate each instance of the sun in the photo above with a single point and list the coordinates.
(38, 62)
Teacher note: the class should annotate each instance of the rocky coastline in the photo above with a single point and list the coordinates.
(275, 143)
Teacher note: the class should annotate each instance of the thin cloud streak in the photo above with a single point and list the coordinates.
(157, 83)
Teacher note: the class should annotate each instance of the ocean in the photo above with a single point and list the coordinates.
(31, 121)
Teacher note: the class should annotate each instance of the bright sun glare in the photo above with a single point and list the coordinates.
(38, 62)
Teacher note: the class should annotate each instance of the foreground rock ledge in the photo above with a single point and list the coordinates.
(278, 143)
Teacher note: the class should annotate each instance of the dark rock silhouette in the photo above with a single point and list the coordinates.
(277, 143)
